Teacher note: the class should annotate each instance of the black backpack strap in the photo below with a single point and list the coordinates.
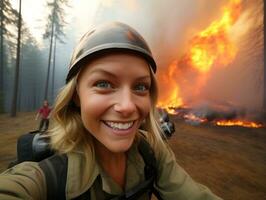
(150, 170)
(148, 156)
(55, 170)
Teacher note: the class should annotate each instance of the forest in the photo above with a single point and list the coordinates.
(28, 72)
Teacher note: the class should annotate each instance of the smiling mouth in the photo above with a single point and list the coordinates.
(119, 125)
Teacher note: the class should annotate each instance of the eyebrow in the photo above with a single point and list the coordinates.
(102, 71)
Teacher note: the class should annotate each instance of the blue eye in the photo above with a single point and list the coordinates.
(103, 84)
(141, 88)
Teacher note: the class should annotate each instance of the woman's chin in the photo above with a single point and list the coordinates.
(120, 146)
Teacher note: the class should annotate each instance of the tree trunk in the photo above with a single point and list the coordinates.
(53, 73)
(15, 91)
(1, 57)
(49, 61)
(264, 88)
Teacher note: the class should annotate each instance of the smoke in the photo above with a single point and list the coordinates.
(169, 25)
(166, 25)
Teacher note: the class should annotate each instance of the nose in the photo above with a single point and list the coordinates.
(125, 104)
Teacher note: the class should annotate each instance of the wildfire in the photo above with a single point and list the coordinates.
(173, 102)
(193, 118)
(238, 123)
(171, 91)
(213, 45)
(184, 79)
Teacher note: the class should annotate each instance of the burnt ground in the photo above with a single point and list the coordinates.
(231, 161)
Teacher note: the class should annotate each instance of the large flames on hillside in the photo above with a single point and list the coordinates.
(209, 49)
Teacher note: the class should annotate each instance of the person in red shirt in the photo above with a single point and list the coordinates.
(44, 113)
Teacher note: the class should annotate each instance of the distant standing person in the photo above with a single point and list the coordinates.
(44, 112)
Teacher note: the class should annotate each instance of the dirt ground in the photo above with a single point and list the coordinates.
(231, 161)
(10, 130)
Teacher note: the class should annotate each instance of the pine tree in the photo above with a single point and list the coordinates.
(55, 31)
(8, 17)
(16, 80)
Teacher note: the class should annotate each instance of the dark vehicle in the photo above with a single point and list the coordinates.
(167, 126)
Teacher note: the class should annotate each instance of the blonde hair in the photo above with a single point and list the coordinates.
(69, 133)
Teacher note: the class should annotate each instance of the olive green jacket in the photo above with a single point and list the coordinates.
(27, 181)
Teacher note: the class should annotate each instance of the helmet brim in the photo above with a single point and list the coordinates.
(100, 50)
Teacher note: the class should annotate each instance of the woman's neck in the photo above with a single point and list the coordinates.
(114, 164)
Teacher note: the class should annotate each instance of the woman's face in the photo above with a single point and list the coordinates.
(114, 97)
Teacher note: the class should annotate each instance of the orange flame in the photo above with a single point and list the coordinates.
(192, 117)
(211, 47)
(238, 123)
(172, 99)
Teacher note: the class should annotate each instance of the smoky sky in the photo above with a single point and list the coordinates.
(166, 25)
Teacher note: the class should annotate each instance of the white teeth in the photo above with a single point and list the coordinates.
(120, 126)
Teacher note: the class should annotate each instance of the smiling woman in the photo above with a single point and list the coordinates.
(101, 151)
(114, 101)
